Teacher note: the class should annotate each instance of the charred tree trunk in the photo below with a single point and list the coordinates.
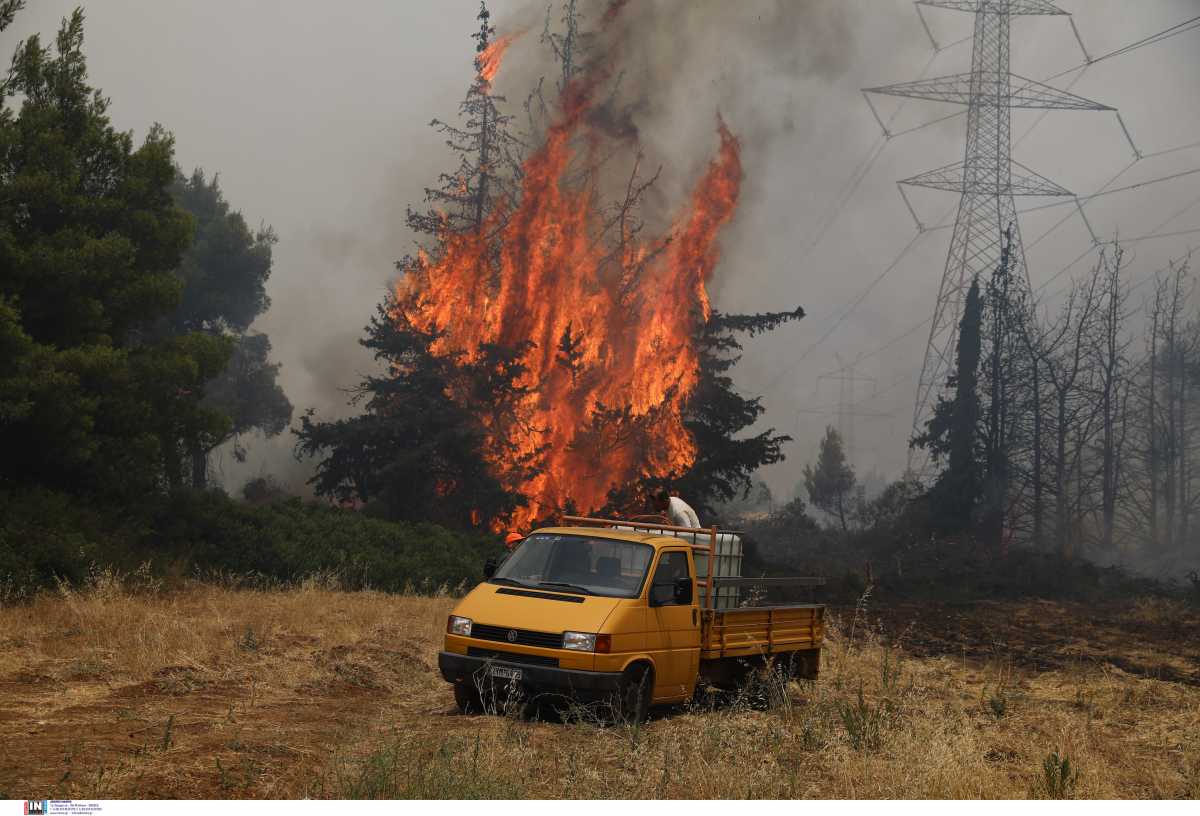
(997, 466)
(1170, 440)
(1152, 429)
(1112, 369)
(1108, 487)
(1061, 506)
(1184, 475)
(481, 195)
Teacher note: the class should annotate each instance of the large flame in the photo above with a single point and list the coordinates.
(628, 316)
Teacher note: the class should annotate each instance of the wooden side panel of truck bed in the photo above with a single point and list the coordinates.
(761, 631)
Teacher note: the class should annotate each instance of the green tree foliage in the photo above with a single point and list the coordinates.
(792, 519)
(224, 274)
(414, 453)
(93, 400)
(8, 10)
(225, 270)
(288, 540)
(46, 537)
(952, 433)
(893, 508)
(717, 415)
(247, 391)
(19, 376)
(830, 483)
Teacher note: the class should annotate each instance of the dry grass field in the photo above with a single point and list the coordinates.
(311, 692)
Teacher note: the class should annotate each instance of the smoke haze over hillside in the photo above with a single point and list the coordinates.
(316, 117)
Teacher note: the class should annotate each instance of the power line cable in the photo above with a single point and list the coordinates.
(1170, 150)
(1137, 239)
(848, 310)
(1152, 39)
(895, 262)
(860, 172)
(1099, 194)
(1165, 34)
(1069, 215)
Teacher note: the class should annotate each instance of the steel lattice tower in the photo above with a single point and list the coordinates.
(987, 178)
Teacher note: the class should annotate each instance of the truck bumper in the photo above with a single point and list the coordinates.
(571, 682)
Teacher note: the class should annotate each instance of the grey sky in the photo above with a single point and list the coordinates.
(315, 115)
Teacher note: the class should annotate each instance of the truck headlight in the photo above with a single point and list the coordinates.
(459, 626)
(587, 642)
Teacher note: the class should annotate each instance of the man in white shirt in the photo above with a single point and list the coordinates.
(677, 510)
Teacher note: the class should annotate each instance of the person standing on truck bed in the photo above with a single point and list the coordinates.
(677, 510)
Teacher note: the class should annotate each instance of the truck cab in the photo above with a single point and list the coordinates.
(612, 610)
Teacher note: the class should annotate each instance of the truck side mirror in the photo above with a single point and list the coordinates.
(489, 567)
(683, 591)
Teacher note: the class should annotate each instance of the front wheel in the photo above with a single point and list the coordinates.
(633, 694)
(466, 697)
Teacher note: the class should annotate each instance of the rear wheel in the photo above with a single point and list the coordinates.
(466, 697)
(806, 664)
(634, 692)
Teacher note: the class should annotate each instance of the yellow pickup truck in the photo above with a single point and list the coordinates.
(633, 613)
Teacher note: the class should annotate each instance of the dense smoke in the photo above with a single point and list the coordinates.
(672, 69)
(323, 134)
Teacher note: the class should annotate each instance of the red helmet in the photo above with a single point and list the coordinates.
(512, 539)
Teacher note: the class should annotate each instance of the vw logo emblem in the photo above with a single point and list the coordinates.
(512, 636)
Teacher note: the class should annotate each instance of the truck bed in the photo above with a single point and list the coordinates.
(760, 630)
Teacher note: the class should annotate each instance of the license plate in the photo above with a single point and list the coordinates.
(505, 673)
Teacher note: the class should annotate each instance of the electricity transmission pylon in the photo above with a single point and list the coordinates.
(847, 380)
(987, 178)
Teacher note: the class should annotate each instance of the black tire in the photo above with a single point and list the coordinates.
(634, 693)
(466, 697)
(806, 665)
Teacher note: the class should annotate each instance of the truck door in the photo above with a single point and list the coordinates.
(678, 623)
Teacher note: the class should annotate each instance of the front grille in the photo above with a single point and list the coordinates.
(513, 657)
(524, 637)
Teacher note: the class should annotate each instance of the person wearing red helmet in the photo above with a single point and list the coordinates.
(512, 540)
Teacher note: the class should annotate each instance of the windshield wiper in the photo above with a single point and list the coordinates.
(568, 587)
(509, 582)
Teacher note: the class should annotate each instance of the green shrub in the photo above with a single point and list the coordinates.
(44, 537)
(1058, 779)
(47, 537)
(997, 704)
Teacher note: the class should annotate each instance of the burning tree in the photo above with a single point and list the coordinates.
(577, 352)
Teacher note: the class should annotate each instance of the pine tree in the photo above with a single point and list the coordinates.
(1003, 362)
(489, 156)
(414, 453)
(952, 434)
(89, 240)
(830, 483)
(716, 414)
(224, 274)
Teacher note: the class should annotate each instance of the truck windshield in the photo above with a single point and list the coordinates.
(573, 563)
